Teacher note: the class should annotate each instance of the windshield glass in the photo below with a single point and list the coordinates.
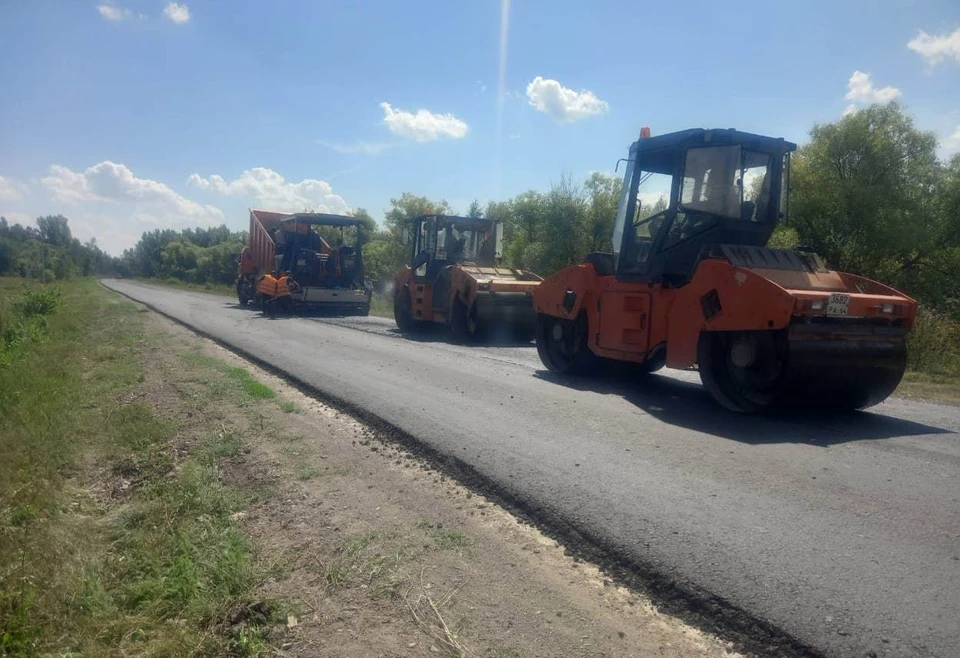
(727, 181)
(621, 220)
(471, 242)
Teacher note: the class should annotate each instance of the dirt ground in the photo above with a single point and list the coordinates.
(369, 551)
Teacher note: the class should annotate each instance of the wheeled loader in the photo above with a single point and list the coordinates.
(454, 278)
(690, 283)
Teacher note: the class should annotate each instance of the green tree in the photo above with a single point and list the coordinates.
(865, 193)
(476, 210)
(54, 229)
(604, 194)
(384, 254)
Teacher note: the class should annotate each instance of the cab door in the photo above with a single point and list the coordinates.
(624, 321)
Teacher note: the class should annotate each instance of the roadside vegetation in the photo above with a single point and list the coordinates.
(161, 497)
(117, 536)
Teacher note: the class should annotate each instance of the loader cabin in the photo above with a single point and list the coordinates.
(441, 240)
(314, 248)
(685, 191)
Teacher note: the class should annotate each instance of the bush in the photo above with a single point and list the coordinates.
(25, 320)
(934, 344)
(37, 302)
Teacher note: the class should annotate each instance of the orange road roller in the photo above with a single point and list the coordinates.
(690, 283)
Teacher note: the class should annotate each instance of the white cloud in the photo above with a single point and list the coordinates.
(361, 147)
(936, 49)
(424, 126)
(112, 13)
(860, 89)
(562, 104)
(272, 192)
(176, 12)
(21, 218)
(11, 190)
(109, 203)
(112, 183)
(850, 109)
(951, 143)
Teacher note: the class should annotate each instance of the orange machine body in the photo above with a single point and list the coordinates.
(454, 279)
(469, 284)
(630, 321)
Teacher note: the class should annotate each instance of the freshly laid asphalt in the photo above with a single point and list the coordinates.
(843, 530)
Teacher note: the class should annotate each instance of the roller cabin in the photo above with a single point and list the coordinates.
(454, 278)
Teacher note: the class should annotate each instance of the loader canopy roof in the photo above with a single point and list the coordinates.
(659, 147)
(462, 223)
(322, 219)
(685, 191)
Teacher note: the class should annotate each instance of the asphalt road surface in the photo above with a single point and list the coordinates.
(843, 530)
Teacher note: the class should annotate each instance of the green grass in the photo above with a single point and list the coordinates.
(291, 408)
(250, 386)
(367, 559)
(151, 567)
(943, 388)
(933, 352)
(381, 305)
(445, 538)
(238, 385)
(213, 288)
(305, 472)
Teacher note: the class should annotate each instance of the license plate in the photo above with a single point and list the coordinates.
(838, 304)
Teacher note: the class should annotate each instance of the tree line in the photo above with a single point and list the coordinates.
(869, 194)
(49, 251)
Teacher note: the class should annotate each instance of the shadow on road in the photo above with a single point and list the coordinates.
(430, 333)
(688, 405)
(438, 333)
(298, 313)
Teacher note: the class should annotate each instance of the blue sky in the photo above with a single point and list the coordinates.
(129, 115)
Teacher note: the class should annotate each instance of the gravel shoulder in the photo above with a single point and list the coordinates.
(371, 552)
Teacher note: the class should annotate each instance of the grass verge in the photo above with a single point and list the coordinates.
(116, 537)
(933, 353)
(213, 288)
(381, 305)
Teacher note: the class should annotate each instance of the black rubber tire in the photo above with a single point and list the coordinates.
(460, 323)
(657, 362)
(403, 312)
(569, 354)
(242, 294)
(741, 389)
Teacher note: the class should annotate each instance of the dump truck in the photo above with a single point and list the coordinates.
(454, 278)
(691, 283)
(303, 260)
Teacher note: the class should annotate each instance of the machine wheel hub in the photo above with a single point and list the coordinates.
(743, 353)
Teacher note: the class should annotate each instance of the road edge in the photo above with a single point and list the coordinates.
(696, 606)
